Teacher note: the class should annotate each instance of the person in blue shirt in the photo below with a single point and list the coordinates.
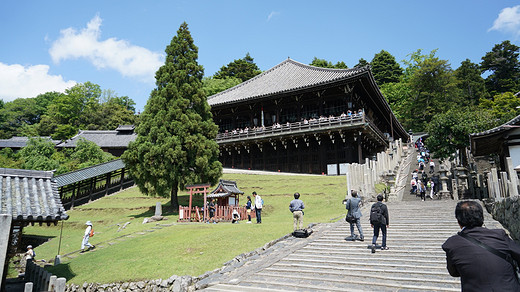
(248, 209)
(296, 207)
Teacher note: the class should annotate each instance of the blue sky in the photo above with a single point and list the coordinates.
(52, 45)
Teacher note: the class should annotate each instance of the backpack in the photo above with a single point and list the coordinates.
(91, 232)
(302, 233)
(376, 214)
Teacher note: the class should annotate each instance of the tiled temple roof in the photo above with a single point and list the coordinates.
(501, 128)
(104, 139)
(285, 77)
(89, 172)
(225, 188)
(20, 142)
(30, 196)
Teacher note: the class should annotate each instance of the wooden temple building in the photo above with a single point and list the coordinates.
(300, 118)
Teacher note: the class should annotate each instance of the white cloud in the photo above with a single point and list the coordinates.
(120, 55)
(508, 21)
(272, 14)
(17, 81)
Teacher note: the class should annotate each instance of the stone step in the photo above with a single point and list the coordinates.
(228, 287)
(324, 283)
(363, 251)
(364, 245)
(352, 254)
(373, 263)
(370, 275)
(431, 273)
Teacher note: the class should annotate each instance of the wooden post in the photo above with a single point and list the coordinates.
(205, 204)
(189, 210)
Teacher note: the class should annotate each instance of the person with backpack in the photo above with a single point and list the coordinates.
(353, 207)
(379, 220)
(89, 232)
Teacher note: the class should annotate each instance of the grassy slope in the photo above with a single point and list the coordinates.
(184, 249)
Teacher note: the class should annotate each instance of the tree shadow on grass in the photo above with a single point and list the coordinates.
(61, 271)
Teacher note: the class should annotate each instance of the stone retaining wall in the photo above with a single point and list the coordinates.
(174, 283)
(507, 212)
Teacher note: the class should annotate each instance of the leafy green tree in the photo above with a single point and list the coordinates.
(37, 154)
(503, 107)
(87, 153)
(449, 131)
(361, 63)
(74, 107)
(8, 159)
(243, 69)
(175, 144)
(503, 64)
(433, 88)
(341, 65)
(385, 68)
(322, 63)
(471, 84)
(15, 114)
(327, 64)
(213, 86)
(399, 97)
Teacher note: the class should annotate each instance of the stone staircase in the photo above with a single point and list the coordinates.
(327, 262)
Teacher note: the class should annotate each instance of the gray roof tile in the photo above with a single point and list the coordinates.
(20, 142)
(104, 139)
(89, 172)
(30, 196)
(287, 76)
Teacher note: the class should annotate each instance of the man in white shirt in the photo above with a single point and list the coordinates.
(258, 207)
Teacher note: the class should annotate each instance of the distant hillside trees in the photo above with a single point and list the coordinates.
(176, 136)
(41, 154)
(60, 115)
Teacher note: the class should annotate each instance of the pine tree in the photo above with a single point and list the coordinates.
(385, 68)
(176, 136)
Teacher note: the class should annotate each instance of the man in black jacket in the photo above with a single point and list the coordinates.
(379, 220)
(478, 268)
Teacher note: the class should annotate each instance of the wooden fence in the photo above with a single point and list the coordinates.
(222, 214)
(37, 279)
(87, 190)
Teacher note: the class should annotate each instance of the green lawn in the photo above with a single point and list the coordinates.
(187, 248)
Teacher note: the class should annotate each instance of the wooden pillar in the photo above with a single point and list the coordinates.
(359, 150)
(190, 203)
(122, 178)
(92, 187)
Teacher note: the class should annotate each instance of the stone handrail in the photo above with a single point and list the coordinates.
(37, 279)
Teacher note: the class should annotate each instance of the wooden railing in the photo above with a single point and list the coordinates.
(222, 213)
(293, 127)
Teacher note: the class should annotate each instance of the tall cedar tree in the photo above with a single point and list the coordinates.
(176, 136)
(385, 68)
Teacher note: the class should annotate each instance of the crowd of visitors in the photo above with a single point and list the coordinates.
(424, 183)
(304, 121)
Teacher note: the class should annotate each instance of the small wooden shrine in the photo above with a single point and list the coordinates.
(226, 193)
(227, 197)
